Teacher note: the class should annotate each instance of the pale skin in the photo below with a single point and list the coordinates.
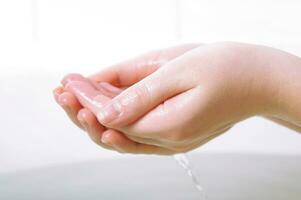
(174, 100)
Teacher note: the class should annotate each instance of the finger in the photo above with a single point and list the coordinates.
(91, 94)
(71, 106)
(85, 116)
(57, 92)
(131, 103)
(118, 140)
(170, 117)
(96, 130)
(87, 95)
(91, 125)
(104, 88)
(132, 71)
(124, 145)
(137, 100)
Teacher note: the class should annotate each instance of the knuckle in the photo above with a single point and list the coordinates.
(144, 91)
(139, 95)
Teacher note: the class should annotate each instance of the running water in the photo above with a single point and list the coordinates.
(184, 162)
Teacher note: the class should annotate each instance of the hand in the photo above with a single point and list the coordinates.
(123, 75)
(192, 98)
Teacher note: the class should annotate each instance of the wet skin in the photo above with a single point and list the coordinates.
(174, 100)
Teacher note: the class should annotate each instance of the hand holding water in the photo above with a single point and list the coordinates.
(175, 100)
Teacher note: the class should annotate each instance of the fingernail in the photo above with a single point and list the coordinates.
(109, 112)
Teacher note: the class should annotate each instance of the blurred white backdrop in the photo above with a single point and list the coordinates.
(42, 40)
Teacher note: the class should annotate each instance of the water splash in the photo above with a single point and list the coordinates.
(184, 162)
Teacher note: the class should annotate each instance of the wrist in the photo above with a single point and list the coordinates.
(281, 86)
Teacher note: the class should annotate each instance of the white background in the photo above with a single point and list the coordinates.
(42, 40)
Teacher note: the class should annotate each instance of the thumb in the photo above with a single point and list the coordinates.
(137, 100)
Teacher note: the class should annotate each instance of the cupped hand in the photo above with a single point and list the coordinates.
(182, 104)
(111, 82)
(175, 100)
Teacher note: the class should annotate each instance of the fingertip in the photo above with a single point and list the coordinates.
(64, 99)
(111, 114)
(82, 118)
(87, 95)
(83, 123)
(86, 115)
(113, 138)
(82, 115)
(71, 101)
(57, 92)
(106, 138)
(93, 128)
(118, 141)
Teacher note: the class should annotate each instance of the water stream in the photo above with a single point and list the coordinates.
(185, 163)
